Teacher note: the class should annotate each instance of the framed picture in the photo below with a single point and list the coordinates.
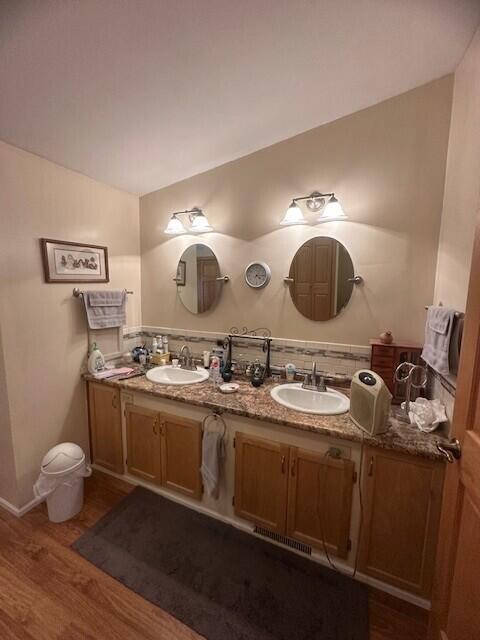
(73, 261)
(181, 273)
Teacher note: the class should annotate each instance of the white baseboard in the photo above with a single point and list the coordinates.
(19, 511)
(244, 526)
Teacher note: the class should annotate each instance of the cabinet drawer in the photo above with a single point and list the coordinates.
(384, 362)
(381, 350)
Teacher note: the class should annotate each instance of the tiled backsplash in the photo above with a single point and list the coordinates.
(339, 359)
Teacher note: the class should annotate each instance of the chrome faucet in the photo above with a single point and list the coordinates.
(314, 385)
(186, 359)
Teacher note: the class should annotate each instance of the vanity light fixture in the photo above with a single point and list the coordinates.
(316, 201)
(197, 219)
(333, 211)
(175, 226)
(294, 215)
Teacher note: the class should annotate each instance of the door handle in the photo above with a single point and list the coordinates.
(451, 450)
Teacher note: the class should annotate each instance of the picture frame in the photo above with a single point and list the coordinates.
(69, 262)
(181, 273)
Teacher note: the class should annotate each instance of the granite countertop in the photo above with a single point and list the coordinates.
(256, 403)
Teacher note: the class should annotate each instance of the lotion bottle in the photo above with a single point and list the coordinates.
(96, 361)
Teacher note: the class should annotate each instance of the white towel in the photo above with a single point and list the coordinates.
(105, 309)
(213, 451)
(438, 332)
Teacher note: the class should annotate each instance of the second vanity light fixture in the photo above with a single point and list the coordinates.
(316, 201)
(197, 219)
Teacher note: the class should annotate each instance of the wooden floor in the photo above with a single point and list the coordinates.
(48, 592)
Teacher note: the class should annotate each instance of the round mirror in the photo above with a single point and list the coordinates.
(197, 273)
(321, 276)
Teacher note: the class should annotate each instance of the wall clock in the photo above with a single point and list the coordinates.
(257, 275)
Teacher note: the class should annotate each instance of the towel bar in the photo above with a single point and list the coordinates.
(458, 314)
(77, 293)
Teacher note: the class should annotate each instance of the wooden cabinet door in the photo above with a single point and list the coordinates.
(402, 507)
(105, 426)
(261, 478)
(143, 443)
(320, 500)
(181, 454)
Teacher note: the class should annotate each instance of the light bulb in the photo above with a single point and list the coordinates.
(200, 224)
(175, 226)
(333, 211)
(293, 215)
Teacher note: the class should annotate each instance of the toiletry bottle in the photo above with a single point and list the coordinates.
(206, 359)
(219, 352)
(290, 371)
(165, 344)
(96, 361)
(215, 370)
(154, 346)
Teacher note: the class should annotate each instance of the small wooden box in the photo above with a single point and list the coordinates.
(158, 357)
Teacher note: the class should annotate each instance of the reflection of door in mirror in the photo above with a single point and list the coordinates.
(314, 273)
(207, 284)
(200, 290)
(320, 273)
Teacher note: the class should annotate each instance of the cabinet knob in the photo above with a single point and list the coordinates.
(283, 464)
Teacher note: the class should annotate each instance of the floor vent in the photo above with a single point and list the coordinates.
(299, 546)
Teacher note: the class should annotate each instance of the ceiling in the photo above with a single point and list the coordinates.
(143, 93)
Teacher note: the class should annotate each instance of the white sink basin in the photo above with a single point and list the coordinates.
(325, 403)
(176, 376)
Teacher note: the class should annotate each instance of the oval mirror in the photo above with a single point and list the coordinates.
(197, 273)
(320, 278)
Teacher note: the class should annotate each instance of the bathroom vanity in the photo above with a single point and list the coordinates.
(312, 482)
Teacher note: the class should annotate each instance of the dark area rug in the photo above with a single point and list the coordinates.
(223, 583)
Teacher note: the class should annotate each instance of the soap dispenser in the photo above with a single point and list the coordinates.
(96, 361)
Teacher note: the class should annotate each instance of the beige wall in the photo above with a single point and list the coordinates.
(43, 327)
(462, 184)
(386, 164)
(8, 483)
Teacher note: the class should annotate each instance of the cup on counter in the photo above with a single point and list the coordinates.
(175, 362)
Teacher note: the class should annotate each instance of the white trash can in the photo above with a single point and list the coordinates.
(61, 477)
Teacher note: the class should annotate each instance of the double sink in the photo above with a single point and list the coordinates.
(291, 396)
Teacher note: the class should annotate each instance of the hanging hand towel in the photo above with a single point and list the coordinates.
(105, 309)
(438, 332)
(213, 450)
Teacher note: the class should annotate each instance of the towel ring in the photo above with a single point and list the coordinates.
(408, 378)
(214, 416)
